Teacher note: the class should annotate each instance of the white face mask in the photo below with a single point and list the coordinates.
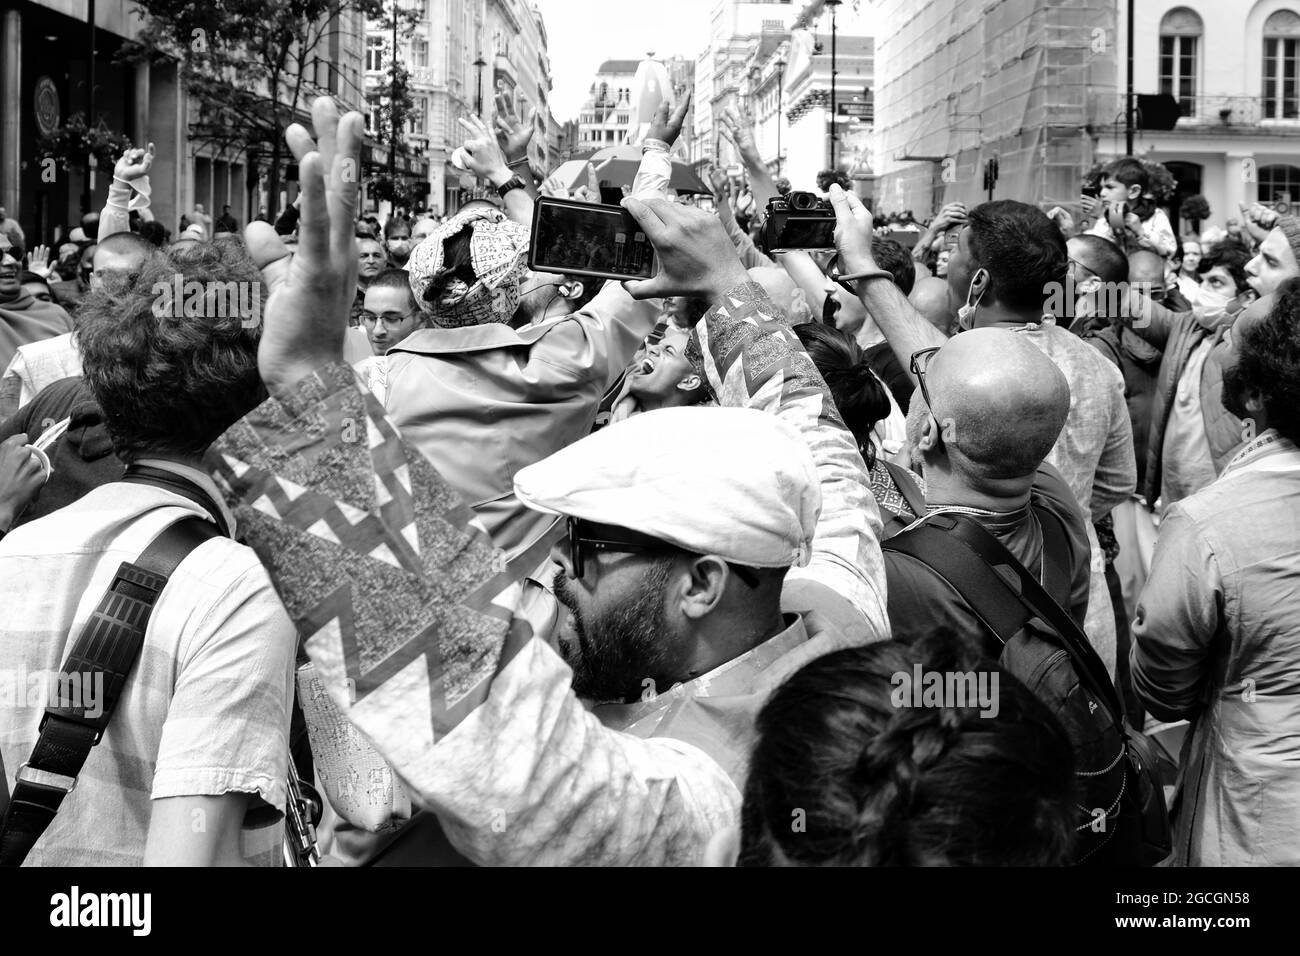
(1210, 304)
(966, 314)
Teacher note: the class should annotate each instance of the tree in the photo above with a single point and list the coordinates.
(1195, 209)
(252, 66)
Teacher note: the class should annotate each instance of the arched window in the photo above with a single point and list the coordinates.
(1180, 37)
(1282, 65)
(1279, 184)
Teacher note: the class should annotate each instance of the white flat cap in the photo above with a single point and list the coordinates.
(735, 482)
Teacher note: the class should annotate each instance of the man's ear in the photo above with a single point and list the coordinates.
(689, 384)
(703, 591)
(931, 433)
(979, 283)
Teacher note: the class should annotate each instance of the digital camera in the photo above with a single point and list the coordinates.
(799, 220)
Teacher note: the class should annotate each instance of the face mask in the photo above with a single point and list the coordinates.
(1210, 304)
(966, 314)
(399, 247)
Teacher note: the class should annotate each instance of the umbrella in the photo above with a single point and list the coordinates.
(624, 161)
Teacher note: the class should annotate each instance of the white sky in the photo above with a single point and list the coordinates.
(582, 34)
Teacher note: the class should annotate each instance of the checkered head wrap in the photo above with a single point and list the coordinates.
(498, 253)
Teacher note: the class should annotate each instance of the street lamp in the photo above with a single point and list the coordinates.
(780, 93)
(478, 96)
(833, 4)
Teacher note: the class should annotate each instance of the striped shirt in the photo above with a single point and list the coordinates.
(206, 708)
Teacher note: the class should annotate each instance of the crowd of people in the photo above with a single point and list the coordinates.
(961, 543)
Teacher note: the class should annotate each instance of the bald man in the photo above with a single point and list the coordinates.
(999, 405)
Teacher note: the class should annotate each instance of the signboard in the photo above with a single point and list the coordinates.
(860, 110)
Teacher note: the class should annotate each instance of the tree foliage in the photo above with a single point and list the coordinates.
(254, 66)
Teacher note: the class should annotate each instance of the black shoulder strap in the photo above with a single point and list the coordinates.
(1005, 604)
(906, 485)
(101, 659)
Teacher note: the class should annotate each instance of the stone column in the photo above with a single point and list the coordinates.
(11, 60)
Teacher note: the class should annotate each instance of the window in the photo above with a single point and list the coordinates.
(415, 119)
(1279, 184)
(420, 53)
(373, 120)
(374, 54)
(1180, 34)
(1281, 98)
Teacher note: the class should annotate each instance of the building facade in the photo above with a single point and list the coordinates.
(460, 54)
(606, 116)
(774, 60)
(1233, 69)
(1030, 84)
(45, 73)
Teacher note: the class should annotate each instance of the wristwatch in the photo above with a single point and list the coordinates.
(514, 182)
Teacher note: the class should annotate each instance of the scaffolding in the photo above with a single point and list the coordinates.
(1025, 82)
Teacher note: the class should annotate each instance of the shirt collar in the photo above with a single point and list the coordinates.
(200, 478)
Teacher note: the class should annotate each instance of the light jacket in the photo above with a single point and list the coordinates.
(1177, 334)
(1216, 639)
(484, 401)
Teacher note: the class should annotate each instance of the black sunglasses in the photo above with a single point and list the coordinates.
(629, 543)
(920, 362)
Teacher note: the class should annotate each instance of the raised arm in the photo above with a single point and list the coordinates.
(483, 157)
(904, 328)
(751, 358)
(739, 130)
(415, 627)
(130, 179)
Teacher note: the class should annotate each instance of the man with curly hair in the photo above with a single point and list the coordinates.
(1217, 632)
(191, 769)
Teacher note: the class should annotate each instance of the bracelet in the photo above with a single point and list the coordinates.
(517, 162)
(868, 274)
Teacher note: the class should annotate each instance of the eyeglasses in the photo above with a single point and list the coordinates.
(392, 320)
(919, 364)
(629, 543)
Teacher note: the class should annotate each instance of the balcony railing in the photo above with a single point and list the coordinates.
(1228, 112)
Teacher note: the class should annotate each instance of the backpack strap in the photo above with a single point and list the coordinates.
(1002, 606)
(907, 487)
(102, 657)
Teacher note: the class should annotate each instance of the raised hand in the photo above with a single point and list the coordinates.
(481, 154)
(739, 131)
(668, 127)
(514, 130)
(1091, 206)
(720, 182)
(305, 318)
(952, 214)
(853, 232)
(695, 254)
(135, 162)
(38, 261)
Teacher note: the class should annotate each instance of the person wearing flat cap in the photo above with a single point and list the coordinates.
(704, 553)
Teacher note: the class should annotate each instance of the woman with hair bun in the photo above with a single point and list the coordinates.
(863, 402)
(848, 770)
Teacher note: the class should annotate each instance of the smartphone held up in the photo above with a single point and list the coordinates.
(586, 239)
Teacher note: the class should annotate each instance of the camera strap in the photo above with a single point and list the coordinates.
(103, 657)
